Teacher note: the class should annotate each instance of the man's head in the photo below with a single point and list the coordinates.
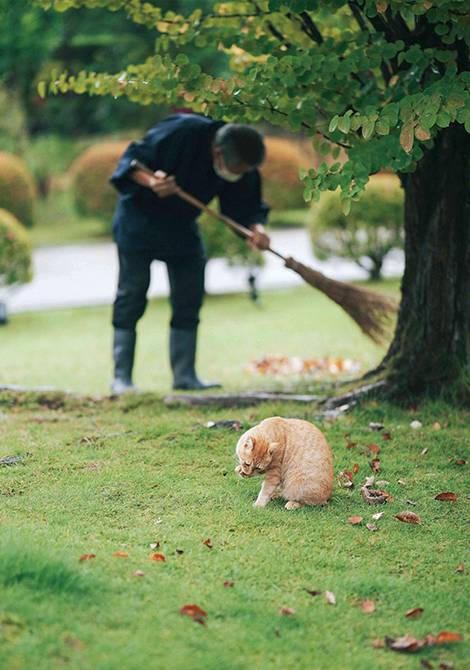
(237, 150)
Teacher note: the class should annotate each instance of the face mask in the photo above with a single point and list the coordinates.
(225, 174)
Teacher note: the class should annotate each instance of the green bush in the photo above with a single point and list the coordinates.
(220, 241)
(373, 227)
(90, 173)
(15, 251)
(282, 188)
(17, 188)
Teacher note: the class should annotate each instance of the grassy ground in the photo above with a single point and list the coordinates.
(71, 349)
(110, 476)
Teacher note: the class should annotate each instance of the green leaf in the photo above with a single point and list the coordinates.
(344, 124)
(443, 119)
(368, 129)
(346, 206)
(333, 123)
(42, 89)
(382, 127)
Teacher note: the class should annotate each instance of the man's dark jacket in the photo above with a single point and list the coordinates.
(181, 146)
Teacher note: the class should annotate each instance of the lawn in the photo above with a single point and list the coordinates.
(105, 476)
(71, 349)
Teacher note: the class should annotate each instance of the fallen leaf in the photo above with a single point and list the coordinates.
(286, 610)
(408, 517)
(425, 450)
(371, 527)
(460, 568)
(370, 480)
(378, 643)
(446, 496)
(425, 664)
(386, 436)
(355, 468)
(416, 424)
(138, 573)
(208, 543)
(350, 445)
(446, 665)
(277, 634)
(313, 593)
(436, 425)
(375, 497)
(368, 607)
(154, 545)
(228, 585)
(446, 636)
(355, 519)
(402, 483)
(86, 557)
(382, 483)
(414, 613)
(347, 436)
(374, 464)
(410, 502)
(429, 640)
(461, 461)
(330, 597)
(195, 612)
(180, 551)
(157, 557)
(122, 554)
(376, 426)
(374, 448)
(408, 643)
(377, 516)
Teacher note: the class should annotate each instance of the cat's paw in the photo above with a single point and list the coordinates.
(238, 469)
(259, 503)
(292, 504)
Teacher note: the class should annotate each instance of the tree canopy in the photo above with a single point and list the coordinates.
(380, 79)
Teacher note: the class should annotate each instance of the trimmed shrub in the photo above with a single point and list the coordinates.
(373, 227)
(15, 251)
(90, 173)
(282, 188)
(17, 188)
(220, 241)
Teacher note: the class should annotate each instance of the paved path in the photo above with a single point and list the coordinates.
(86, 274)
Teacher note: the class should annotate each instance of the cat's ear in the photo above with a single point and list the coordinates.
(249, 444)
(272, 448)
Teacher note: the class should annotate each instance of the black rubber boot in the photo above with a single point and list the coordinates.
(123, 354)
(183, 359)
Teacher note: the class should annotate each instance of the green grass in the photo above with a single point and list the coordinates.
(71, 349)
(102, 476)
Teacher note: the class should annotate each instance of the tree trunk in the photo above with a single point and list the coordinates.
(430, 348)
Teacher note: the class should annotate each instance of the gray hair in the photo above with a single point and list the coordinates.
(240, 144)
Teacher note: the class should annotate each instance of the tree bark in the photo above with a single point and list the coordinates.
(430, 348)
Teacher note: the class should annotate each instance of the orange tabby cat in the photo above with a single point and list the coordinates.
(296, 458)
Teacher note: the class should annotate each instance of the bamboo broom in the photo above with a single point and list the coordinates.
(370, 310)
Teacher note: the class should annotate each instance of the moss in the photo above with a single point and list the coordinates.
(17, 188)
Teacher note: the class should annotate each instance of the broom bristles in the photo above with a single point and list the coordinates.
(371, 311)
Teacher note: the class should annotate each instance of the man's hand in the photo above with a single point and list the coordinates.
(160, 183)
(260, 239)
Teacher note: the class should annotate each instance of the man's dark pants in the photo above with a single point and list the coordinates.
(186, 276)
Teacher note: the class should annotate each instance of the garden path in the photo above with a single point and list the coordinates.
(86, 274)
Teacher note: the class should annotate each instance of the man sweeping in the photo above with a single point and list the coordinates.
(205, 158)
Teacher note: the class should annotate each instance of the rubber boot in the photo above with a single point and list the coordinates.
(123, 354)
(183, 359)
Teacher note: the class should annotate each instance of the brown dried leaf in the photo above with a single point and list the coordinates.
(355, 468)
(122, 554)
(370, 480)
(374, 464)
(208, 543)
(355, 519)
(446, 665)
(408, 643)
(408, 517)
(407, 137)
(347, 436)
(429, 640)
(424, 451)
(425, 664)
(376, 426)
(368, 607)
(371, 527)
(138, 573)
(195, 612)
(228, 585)
(414, 613)
(378, 643)
(313, 593)
(446, 636)
(330, 597)
(386, 436)
(381, 6)
(374, 448)
(180, 551)
(447, 497)
(286, 610)
(350, 445)
(375, 497)
(86, 557)
(460, 568)
(461, 461)
(157, 557)
(154, 545)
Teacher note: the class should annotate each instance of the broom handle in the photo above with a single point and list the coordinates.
(137, 165)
